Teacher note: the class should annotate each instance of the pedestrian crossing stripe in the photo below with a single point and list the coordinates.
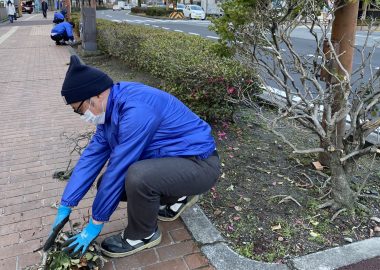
(176, 15)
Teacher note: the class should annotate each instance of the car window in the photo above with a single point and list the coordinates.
(196, 8)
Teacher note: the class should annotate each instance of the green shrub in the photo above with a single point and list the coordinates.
(188, 66)
(75, 17)
(158, 11)
(139, 9)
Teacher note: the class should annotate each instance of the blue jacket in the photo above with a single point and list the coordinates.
(62, 28)
(59, 16)
(141, 123)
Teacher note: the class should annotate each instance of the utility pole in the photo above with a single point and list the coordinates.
(88, 27)
(343, 40)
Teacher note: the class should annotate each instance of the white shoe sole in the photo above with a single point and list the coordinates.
(124, 254)
(187, 205)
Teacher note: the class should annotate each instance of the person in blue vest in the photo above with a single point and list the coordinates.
(58, 17)
(62, 33)
(161, 157)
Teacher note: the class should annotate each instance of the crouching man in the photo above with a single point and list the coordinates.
(160, 155)
(62, 33)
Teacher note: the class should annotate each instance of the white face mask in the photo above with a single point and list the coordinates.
(91, 118)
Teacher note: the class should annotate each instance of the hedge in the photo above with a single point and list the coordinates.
(188, 66)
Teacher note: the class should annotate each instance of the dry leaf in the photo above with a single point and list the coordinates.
(230, 188)
(314, 234)
(238, 208)
(376, 219)
(317, 165)
(280, 238)
(276, 227)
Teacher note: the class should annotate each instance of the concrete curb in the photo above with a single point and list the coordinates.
(220, 255)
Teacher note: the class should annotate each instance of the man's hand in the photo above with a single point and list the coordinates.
(60, 220)
(78, 244)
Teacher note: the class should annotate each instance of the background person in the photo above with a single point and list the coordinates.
(11, 11)
(44, 7)
(62, 33)
(58, 17)
(160, 155)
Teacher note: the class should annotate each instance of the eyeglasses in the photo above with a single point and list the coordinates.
(77, 109)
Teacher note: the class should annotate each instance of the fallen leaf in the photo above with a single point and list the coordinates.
(317, 165)
(314, 234)
(246, 199)
(348, 239)
(236, 218)
(223, 175)
(314, 222)
(217, 212)
(230, 188)
(276, 227)
(238, 208)
(376, 219)
(280, 238)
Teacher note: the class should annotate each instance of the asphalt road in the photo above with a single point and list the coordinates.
(192, 27)
(302, 39)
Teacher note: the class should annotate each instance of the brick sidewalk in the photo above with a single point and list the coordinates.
(33, 117)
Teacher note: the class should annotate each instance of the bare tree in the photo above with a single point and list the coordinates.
(315, 81)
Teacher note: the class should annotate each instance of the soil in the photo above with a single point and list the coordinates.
(266, 201)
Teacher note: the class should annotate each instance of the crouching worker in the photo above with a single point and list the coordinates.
(63, 33)
(160, 155)
(58, 17)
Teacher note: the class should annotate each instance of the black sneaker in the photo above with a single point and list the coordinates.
(170, 213)
(116, 246)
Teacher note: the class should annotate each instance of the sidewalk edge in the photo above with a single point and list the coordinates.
(220, 255)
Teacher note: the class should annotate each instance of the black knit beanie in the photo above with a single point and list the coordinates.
(83, 82)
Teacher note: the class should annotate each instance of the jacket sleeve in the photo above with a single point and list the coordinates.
(69, 31)
(134, 134)
(86, 170)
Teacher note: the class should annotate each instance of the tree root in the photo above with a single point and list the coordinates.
(337, 214)
(286, 198)
(329, 203)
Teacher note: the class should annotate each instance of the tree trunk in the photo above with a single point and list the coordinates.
(343, 39)
(341, 191)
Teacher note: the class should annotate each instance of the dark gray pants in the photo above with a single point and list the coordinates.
(152, 182)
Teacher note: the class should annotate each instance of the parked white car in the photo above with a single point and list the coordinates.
(194, 12)
(116, 8)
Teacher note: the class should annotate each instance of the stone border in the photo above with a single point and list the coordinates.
(220, 255)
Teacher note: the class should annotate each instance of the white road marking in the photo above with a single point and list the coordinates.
(109, 16)
(156, 26)
(178, 31)
(166, 28)
(8, 34)
(31, 17)
(146, 23)
(195, 34)
(213, 37)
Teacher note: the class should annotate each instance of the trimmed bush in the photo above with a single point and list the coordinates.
(158, 11)
(189, 67)
(139, 9)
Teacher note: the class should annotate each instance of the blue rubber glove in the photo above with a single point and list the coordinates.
(78, 244)
(60, 220)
